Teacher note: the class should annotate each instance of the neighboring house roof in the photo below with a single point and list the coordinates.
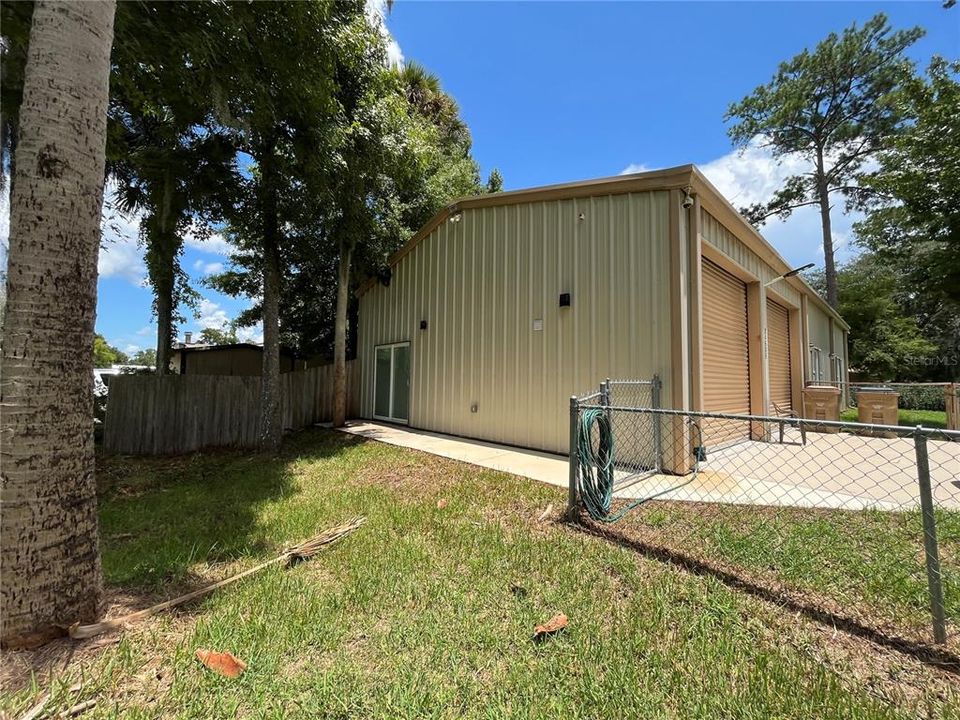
(229, 346)
(670, 178)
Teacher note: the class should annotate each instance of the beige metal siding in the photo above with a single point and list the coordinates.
(481, 284)
(778, 354)
(726, 361)
(818, 335)
(840, 351)
(727, 243)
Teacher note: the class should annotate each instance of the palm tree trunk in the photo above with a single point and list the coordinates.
(162, 258)
(49, 552)
(340, 336)
(271, 429)
(163, 294)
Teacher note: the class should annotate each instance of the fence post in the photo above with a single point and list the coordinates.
(655, 386)
(930, 546)
(605, 399)
(572, 494)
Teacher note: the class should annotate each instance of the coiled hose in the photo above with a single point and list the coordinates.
(595, 469)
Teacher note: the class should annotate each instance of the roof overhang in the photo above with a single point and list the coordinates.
(668, 179)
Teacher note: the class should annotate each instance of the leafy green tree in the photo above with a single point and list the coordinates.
(495, 181)
(147, 357)
(171, 163)
(918, 224)
(104, 354)
(281, 74)
(886, 342)
(835, 108)
(368, 219)
(218, 336)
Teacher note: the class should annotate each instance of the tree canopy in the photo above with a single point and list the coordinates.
(104, 354)
(835, 107)
(916, 219)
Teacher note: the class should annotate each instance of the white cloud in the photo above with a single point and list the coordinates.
(752, 175)
(377, 11)
(208, 268)
(211, 315)
(214, 243)
(634, 168)
(147, 330)
(251, 334)
(120, 252)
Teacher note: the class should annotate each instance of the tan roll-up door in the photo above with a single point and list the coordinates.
(778, 355)
(726, 354)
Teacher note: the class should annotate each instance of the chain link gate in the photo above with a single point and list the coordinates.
(786, 473)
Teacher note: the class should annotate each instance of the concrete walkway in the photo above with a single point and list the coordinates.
(545, 467)
(831, 471)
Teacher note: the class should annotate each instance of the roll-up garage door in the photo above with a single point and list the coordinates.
(778, 355)
(726, 354)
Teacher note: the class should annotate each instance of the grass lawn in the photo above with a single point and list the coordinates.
(428, 611)
(911, 418)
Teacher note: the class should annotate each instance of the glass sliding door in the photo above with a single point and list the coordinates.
(392, 383)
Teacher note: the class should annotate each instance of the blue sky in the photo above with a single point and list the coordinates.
(555, 92)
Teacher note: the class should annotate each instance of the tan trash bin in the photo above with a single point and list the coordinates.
(821, 402)
(951, 398)
(878, 406)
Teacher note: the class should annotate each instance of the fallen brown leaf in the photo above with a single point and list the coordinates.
(441, 504)
(555, 624)
(222, 662)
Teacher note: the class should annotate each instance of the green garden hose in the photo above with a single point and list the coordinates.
(595, 469)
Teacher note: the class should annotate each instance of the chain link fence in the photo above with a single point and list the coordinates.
(859, 520)
(912, 396)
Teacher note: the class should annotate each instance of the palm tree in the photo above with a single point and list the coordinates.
(427, 99)
(49, 552)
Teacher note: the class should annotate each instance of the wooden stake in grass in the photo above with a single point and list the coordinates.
(292, 556)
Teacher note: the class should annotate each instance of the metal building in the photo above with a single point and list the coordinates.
(505, 305)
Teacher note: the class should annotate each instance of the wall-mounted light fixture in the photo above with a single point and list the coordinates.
(789, 274)
(581, 216)
(456, 217)
(687, 197)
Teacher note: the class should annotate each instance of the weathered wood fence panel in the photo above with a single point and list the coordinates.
(149, 415)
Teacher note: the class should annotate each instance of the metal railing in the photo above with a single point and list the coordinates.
(763, 481)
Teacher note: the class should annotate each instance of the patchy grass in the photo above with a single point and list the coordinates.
(429, 612)
(910, 418)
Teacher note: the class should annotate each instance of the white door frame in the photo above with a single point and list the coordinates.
(391, 347)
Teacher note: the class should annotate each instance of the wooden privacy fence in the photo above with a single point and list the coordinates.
(150, 415)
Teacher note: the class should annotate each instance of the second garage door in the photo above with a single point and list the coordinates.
(726, 354)
(778, 354)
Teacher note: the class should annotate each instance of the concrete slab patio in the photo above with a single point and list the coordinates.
(838, 471)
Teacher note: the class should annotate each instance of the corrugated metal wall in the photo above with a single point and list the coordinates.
(840, 348)
(727, 243)
(818, 332)
(483, 282)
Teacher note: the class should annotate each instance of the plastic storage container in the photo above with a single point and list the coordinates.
(878, 406)
(821, 402)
